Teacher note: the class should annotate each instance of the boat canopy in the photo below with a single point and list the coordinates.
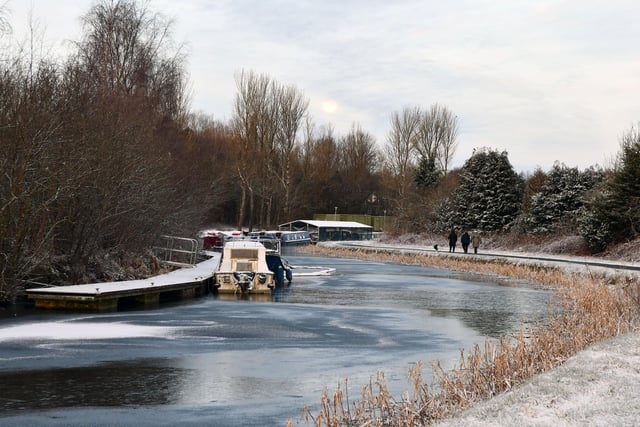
(244, 255)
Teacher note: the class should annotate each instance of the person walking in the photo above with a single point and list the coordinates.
(475, 242)
(465, 239)
(453, 238)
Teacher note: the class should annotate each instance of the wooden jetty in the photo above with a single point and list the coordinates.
(188, 282)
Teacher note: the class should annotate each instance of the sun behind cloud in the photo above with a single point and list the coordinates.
(329, 106)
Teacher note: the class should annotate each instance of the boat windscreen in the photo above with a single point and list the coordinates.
(244, 253)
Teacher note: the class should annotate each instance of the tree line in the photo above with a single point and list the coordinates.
(101, 155)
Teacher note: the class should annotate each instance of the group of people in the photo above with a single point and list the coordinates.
(465, 240)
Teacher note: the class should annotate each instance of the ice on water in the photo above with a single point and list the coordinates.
(80, 331)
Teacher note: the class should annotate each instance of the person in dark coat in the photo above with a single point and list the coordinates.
(453, 238)
(465, 239)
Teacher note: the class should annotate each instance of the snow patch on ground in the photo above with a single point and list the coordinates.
(599, 387)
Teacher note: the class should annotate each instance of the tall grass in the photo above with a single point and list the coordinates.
(588, 308)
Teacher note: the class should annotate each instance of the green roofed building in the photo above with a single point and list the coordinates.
(322, 230)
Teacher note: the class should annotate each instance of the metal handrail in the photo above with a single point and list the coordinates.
(179, 251)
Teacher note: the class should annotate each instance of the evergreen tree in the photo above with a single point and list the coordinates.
(594, 224)
(561, 196)
(444, 215)
(624, 189)
(427, 175)
(489, 196)
(614, 214)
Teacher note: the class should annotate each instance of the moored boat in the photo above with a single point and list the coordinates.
(295, 238)
(251, 266)
(287, 238)
(213, 240)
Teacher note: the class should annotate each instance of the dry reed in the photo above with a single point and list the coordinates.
(588, 308)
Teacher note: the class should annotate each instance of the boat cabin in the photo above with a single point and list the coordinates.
(244, 268)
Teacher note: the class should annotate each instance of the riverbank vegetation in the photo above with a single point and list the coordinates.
(588, 308)
(101, 155)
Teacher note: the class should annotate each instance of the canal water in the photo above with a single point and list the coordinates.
(250, 361)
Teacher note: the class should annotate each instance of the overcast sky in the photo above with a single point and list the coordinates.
(544, 80)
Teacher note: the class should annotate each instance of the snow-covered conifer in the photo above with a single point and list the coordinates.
(489, 196)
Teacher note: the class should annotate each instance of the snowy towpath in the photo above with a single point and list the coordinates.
(575, 263)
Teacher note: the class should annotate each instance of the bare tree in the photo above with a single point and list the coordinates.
(359, 159)
(30, 182)
(5, 26)
(128, 50)
(256, 124)
(436, 140)
(318, 171)
(400, 149)
(94, 155)
(293, 107)
(117, 90)
(267, 119)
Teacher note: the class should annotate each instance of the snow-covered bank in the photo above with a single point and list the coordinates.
(598, 387)
(576, 264)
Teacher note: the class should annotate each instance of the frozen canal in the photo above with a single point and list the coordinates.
(232, 362)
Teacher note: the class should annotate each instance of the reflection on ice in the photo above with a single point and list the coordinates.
(80, 331)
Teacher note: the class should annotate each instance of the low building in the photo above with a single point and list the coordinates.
(322, 230)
